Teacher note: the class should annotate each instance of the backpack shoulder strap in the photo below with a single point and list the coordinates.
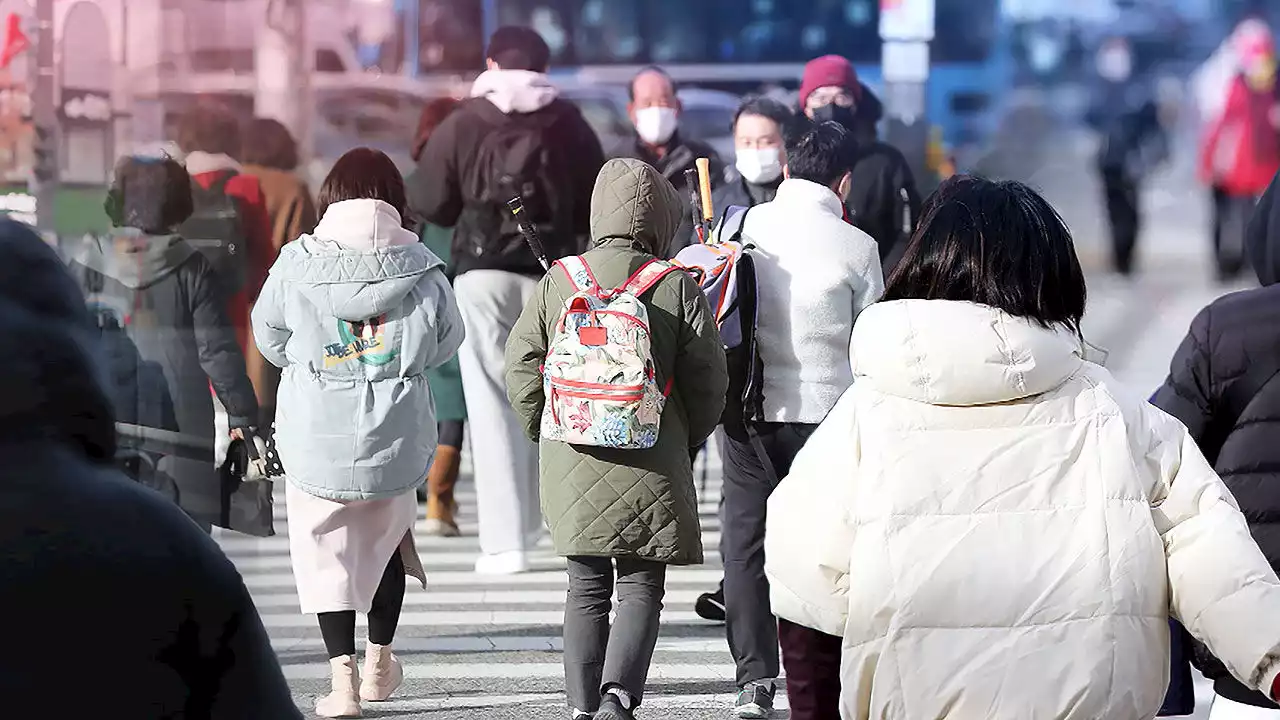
(219, 184)
(646, 277)
(579, 273)
(732, 223)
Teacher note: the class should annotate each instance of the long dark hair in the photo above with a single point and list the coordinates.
(433, 113)
(360, 174)
(998, 244)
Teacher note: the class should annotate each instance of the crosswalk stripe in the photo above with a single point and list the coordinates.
(503, 643)
(518, 671)
(674, 598)
(465, 618)
(702, 576)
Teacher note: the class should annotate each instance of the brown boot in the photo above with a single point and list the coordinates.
(441, 480)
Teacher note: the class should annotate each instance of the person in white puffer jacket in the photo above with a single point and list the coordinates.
(992, 525)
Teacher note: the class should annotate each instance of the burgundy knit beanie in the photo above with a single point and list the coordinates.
(829, 70)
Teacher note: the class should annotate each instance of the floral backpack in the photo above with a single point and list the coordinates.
(599, 376)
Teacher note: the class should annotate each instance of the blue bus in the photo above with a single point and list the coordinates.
(735, 45)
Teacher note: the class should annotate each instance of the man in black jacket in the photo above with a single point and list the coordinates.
(655, 112)
(150, 288)
(95, 565)
(515, 136)
(1224, 385)
(883, 200)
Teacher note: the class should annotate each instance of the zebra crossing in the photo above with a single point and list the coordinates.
(481, 646)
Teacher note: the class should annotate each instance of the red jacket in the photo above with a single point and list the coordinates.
(253, 207)
(1241, 150)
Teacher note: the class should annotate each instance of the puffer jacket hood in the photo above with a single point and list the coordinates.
(134, 258)
(633, 205)
(956, 353)
(359, 263)
(54, 388)
(1262, 238)
(515, 91)
(1011, 549)
(355, 317)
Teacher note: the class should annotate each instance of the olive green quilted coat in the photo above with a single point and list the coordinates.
(627, 503)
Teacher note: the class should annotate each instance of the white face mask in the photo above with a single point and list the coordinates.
(759, 166)
(1115, 65)
(656, 125)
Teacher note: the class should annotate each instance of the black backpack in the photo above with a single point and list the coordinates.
(217, 230)
(516, 158)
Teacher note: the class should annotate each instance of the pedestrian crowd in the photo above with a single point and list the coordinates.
(937, 502)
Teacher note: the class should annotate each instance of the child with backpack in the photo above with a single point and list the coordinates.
(617, 369)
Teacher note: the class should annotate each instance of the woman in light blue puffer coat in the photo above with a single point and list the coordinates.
(355, 314)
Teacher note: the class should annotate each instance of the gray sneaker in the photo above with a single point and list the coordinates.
(755, 701)
(611, 709)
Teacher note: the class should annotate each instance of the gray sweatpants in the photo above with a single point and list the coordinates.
(597, 657)
(505, 462)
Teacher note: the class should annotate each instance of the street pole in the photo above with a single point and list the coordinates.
(44, 116)
(906, 29)
(283, 71)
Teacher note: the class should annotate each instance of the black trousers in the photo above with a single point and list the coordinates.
(338, 629)
(751, 627)
(1231, 215)
(1121, 194)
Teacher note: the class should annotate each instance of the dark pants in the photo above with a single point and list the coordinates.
(1231, 215)
(752, 629)
(1122, 210)
(812, 660)
(339, 628)
(597, 657)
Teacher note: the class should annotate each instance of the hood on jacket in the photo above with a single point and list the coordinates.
(957, 353)
(359, 263)
(53, 384)
(134, 258)
(515, 91)
(199, 162)
(634, 205)
(1262, 238)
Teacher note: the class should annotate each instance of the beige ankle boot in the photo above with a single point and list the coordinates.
(383, 673)
(344, 700)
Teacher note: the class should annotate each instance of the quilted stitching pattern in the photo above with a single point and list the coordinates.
(599, 501)
(297, 264)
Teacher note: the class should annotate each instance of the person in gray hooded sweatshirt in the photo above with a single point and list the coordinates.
(162, 315)
(355, 314)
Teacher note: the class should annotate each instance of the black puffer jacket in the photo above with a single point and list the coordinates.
(92, 560)
(1224, 385)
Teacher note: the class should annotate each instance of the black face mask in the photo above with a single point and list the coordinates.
(833, 112)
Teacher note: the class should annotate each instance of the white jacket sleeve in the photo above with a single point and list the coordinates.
(1223, 590)
(808, 532)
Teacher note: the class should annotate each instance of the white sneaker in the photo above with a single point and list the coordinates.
(506, 563)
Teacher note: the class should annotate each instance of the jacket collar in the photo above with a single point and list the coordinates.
(199, 162)
(810, 194)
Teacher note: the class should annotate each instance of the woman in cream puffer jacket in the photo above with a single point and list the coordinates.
(1009, 529)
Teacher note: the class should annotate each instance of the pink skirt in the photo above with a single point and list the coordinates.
(339, 550)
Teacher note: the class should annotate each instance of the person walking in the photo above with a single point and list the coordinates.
(1132, 143)
(270, 154)
(655, 111)
(446, 380)
(621, 516)
(1222, 386)
(883, 199)
(514, 118)
(1241, 148)
(93, 560)
(162, 303)
(815, 274)
(987, 523)
(354, 314)
(759, 129)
